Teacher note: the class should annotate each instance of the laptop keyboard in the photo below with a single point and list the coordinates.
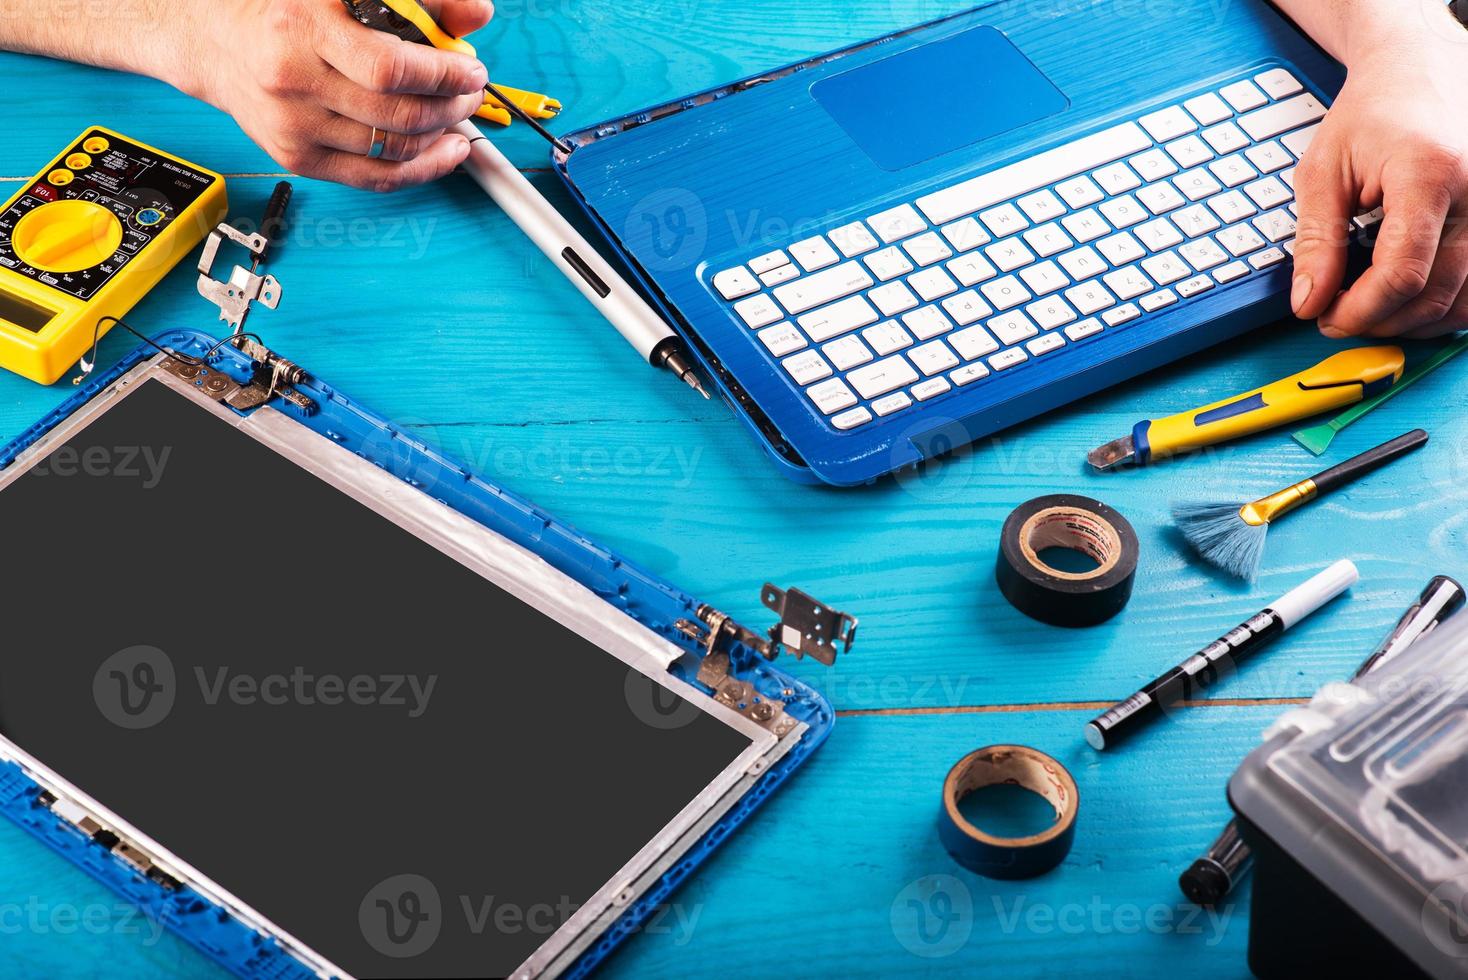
(1026, 261)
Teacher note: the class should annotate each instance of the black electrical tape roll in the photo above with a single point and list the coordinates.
(1009, 857)
(1060, 598)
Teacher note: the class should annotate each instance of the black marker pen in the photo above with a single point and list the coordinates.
(1201, 669)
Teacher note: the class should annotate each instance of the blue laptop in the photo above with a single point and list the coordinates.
(886, 252)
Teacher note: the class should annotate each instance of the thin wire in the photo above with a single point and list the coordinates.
(89, 364)
(527, 119)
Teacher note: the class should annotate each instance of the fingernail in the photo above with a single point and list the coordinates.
(1300, 293)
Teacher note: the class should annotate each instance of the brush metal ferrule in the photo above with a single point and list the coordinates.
(1266, 509)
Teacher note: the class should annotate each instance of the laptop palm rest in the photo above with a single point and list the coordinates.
(941, 96)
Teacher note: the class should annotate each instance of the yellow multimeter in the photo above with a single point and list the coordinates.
(87, 237)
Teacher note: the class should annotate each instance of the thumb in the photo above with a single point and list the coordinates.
(1327, 196)
(460, 17)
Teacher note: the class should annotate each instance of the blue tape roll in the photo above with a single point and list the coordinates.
(1009, 857)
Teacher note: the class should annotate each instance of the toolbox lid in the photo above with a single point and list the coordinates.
(1367, 788)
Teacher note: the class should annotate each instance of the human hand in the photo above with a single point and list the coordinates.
(1397, 137)
(309, 83)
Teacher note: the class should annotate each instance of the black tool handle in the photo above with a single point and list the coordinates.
(273, 223)
(1368, 462)
(1441, 600)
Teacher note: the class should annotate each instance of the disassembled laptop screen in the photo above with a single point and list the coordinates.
(392, 759)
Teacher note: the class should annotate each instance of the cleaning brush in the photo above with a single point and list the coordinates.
(1232, 536)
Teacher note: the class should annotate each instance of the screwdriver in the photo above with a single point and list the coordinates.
(409, 20)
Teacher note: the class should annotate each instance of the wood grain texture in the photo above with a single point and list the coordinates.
(430, 307)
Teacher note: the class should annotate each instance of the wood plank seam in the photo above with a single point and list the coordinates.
(983, 709)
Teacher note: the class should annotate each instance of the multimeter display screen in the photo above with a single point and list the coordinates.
(405, 767)
(24, 313)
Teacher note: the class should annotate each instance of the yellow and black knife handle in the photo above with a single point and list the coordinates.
(408, 20)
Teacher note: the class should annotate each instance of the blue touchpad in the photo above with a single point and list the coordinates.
(946, 94)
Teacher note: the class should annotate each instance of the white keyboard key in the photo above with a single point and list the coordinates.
(1124, 211)
(1268, 257)
(1276, 226)
(838, 318)
(1233, 170)
(846, 353)
(1122, 314)
(1153, 165)
(1158, 300)
(1189, 151)
(1009, 254)
(973, 342)
(1083, 263)
(822, 287)
(932, 284)
(966, 235)
(894, 402)
(968, 374)
(931, 388)
(1208, 109)
(1079, 192)
(889, 263)
(933, 358)
(1090, 297)
(1278, 83)
(1045, 344)
(1051, 312)
(1160, 198)
(758, 311)
(970, 270)
(1031, 174)
(1243, 96)
(768, 261)
(807, 367)
(1369, 220)
(1240, 240)
(967, 307)
(1005, 293)
(782, 339)
(1159, 234)
(1196, 220)
(851, 419)
(927, 323)
(1194, 286)
(1269, 157)
(1044, 277)
(1282, 117)
(1269, 193)
(1197, 184)
(1225, 138)
(1041, 206)
(854, 239)
(1121, 249)
(1288, 176)
(1084, 329)
(1166, 269)
(1012, 328)
(1232, 206)
(831, 396)
(1169, 123)
(1127, 283)
(814, 254)
(896, 224)
(1299, 141)
(1047, 239)
(887, 338)
(1203, 254)
(1117, 178)
(927, 248)
(893, 298)
(1004, 360)
(1230, 272)
(1086, 226)
(885, 375)
(736, 282)
(1004, 220)
(784, 273)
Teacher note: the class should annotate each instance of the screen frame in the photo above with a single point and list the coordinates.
(503, 563)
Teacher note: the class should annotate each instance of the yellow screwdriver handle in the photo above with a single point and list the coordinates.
(1335, 382)
(414, 13)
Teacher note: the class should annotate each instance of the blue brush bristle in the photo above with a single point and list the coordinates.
(1222, 537)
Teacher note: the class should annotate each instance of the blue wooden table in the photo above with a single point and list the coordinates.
(502, 365)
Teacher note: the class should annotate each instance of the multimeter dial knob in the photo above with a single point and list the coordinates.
(67, 236)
